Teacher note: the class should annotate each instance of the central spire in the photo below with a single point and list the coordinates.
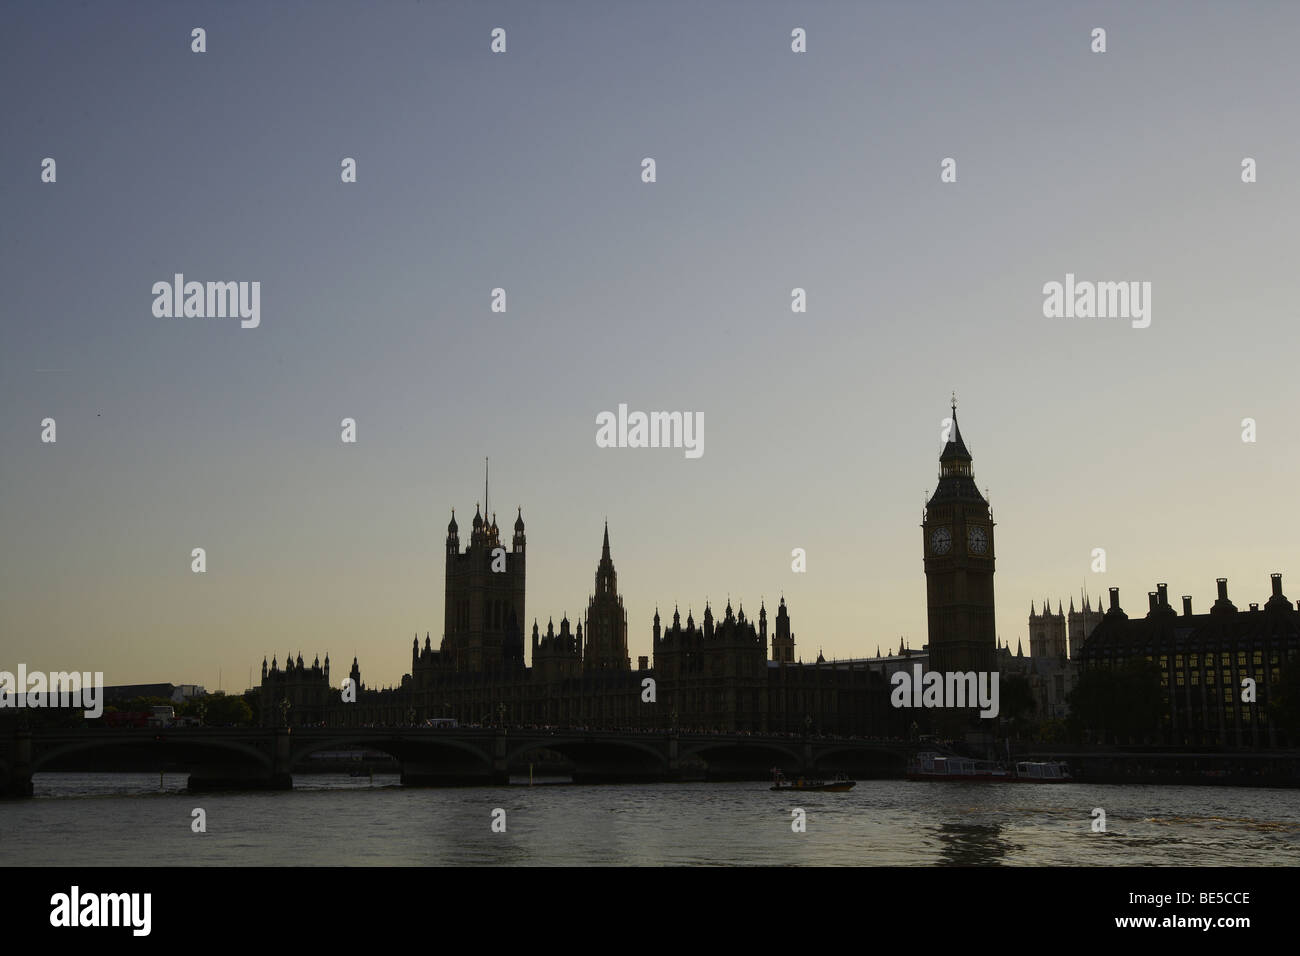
(955, 450)
(956, 472)
(604, 551)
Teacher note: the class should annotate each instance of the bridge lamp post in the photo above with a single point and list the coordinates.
(284, 711)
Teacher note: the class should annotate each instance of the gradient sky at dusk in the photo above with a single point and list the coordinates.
(522, 170)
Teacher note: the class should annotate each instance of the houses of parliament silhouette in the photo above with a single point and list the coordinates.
(733, 674)
(715, 674)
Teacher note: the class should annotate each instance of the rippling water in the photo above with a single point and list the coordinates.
(126, 819)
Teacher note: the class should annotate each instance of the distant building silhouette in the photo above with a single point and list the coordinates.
(1203, 659)
(1047, 634)
(1082, 623)
(715, 676)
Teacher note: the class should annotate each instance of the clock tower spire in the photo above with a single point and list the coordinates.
(958, 554)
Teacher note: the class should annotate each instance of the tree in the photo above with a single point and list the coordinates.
(1052, 731)
(1017, 704)
(224, 711)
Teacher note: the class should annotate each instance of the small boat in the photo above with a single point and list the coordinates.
(840, 784)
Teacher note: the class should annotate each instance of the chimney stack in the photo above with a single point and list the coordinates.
(1114, 599)
(1163, 590)
(1223, 605)
(1152, 599)
(1277, 585)
(1254, 607)
(1187, 605)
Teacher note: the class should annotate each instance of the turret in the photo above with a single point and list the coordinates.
(783, 639)
(518, 541)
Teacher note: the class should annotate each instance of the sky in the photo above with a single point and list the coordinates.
(522, 170)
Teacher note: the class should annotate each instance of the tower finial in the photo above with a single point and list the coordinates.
(485, 488)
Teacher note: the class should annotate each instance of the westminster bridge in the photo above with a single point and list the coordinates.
(254, 758)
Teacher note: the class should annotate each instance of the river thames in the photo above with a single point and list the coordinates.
(127, 820)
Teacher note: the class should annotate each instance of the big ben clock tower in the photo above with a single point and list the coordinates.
(958, 548)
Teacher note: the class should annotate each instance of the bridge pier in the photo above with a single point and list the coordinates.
(674, 773)
(275, 776)
(16, 768)
(500, 763)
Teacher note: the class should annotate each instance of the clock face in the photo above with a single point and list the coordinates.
(941, 541)
(978, 539)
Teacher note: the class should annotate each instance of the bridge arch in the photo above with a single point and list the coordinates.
(576, 742)
(742, 758)
(177, 749)
(858, 758)
(599, 758)
(771, 747)
(397, 746)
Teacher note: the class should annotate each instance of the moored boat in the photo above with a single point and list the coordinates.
(949, 768)
(1042, 771)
